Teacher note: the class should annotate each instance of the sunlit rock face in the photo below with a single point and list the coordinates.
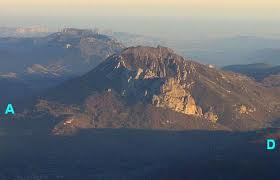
(176, 97)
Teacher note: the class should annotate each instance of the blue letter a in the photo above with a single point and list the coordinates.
(270, 144)
(10, 109)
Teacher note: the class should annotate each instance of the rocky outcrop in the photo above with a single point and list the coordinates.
(174, 96)
(211, 116)
(242, 109)
(72, 125)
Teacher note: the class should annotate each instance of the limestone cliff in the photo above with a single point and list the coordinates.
(174, 96)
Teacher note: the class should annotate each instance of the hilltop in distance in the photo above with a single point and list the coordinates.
(72, 51)
(267, 74)
(37, 63)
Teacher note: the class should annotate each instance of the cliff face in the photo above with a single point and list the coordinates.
(174, 96)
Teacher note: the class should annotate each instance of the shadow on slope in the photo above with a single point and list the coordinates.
(138, 154)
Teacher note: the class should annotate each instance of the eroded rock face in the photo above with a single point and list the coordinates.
(159, 77)
(176, 97)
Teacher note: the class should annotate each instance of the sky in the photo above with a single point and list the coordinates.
(248, 9)
(182, 24)
(187, 19)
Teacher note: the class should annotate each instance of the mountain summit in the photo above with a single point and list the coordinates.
(146, 87)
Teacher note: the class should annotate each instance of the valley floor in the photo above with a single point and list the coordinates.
(138, 154)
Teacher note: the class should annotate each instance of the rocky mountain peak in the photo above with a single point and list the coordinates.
(149, 62)
(156, 78)
(151, 75)
(148, 57)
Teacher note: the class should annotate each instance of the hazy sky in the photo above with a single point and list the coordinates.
(183, 24)
(256, 9)
(163, 18)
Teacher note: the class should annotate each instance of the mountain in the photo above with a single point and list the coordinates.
(266, 55)
(39, 63)
(72, 51)
(33, 31)
(258, 71)
(223, 51)
(267, 74)
(154, 88)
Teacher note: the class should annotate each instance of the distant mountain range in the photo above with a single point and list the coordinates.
(129, 39)
(231, 50)
(267, 55)
(34, 31)
(72, 51)
(37, 63)
(154, 88)
(259, 71)
(267, 74)
(218, 51)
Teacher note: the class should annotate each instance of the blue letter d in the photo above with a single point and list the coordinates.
(270, 144)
